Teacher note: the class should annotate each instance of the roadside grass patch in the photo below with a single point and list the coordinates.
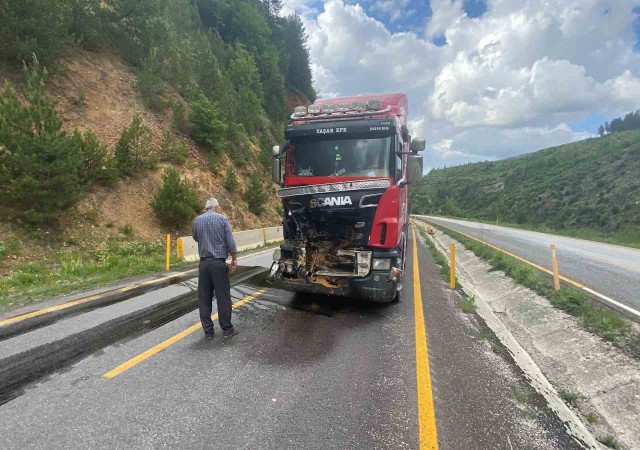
(468, 305)
(606, 323)
(521, 394)
(591, 417)
(66, 272)
(569, 397)
(608, 440)
(439, 258)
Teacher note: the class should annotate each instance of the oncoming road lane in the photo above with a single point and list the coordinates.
(305, 372)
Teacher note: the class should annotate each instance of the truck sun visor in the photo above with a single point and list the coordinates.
(381, 183)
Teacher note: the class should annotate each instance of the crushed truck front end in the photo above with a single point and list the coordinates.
(345, 199)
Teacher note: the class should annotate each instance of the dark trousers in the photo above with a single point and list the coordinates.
(212, 275)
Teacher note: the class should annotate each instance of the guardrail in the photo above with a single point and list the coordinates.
(187, 248)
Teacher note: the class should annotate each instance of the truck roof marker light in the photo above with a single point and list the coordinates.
(343, 107)
(329, 108)
(314, 109)
(300, 111)
(359, 106)
(374, 104)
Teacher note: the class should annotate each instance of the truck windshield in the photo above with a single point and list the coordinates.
(340, 158)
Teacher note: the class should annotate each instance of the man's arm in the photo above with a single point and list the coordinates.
(194, 233)
(231, 245)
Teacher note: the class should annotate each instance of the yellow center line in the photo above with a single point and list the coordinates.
(426, 413)
(91, 298)
(172, 340)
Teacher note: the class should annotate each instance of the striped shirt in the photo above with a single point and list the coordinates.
(213, 234)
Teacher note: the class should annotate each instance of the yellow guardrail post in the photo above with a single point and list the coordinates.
(452, 275)
(264, 235)
(179, 248)
(168, 251)
(554, 265)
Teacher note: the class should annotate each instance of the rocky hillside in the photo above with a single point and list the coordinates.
(215, 78)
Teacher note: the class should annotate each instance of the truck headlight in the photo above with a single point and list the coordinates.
(381, 264)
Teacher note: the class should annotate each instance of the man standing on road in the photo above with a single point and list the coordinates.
(212, 232)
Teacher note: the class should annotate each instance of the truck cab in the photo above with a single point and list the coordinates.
(345, 169)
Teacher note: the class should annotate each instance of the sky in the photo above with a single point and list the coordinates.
(486, 79)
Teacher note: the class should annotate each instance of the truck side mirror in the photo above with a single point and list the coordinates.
(275, 171)
(417, 144)
(414, 168)
(275, 151)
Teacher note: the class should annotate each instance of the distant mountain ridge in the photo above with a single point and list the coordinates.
(591, 184)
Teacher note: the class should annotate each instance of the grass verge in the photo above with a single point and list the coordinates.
(66, 272)
(606, 323)
(439, 258)
(609, 441)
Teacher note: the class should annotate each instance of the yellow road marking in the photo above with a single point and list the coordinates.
(88, 299)
(426, 413)
(172, 340)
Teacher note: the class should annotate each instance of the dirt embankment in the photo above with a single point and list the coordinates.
(97, 91)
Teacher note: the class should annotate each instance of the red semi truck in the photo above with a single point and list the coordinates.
(344, 169)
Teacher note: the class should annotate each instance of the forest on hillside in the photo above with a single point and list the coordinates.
(591, 184)
(221, 67)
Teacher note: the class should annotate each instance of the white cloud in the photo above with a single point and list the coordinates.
(503, 82)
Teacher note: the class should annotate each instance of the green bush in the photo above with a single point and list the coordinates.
(35, 27)
(255, 195)
(133, 152)
(206, 124)
(3, 250)
(179, 117)
(152, 91)
(175, 203)
(43, 170)
(231, 181)
(173, 150)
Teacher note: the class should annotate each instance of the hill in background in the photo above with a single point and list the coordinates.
(212, 82)
(587, 186)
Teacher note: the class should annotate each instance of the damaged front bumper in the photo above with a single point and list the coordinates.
(356, 280)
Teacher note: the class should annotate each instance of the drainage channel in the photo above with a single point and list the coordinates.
(20, 370)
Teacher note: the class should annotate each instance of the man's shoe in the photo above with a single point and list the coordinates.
(231, 332)
(208, 336)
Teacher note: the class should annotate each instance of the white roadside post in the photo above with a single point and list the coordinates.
(554, 265)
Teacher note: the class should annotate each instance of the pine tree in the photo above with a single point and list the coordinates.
(231, 181)
(601, 130)
(255, 195)
(175, 203)
(43, 170)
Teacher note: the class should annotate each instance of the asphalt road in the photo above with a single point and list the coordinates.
(611, 270)
(305, 372)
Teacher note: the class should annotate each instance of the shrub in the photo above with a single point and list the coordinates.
(255, 195)
(35, 27)
(152, 91)
(206, 124)
(133, 153)
(231, 181)
(173, 150)
(175, 203)
(3, 250)
(179, 117)
(43, 170)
